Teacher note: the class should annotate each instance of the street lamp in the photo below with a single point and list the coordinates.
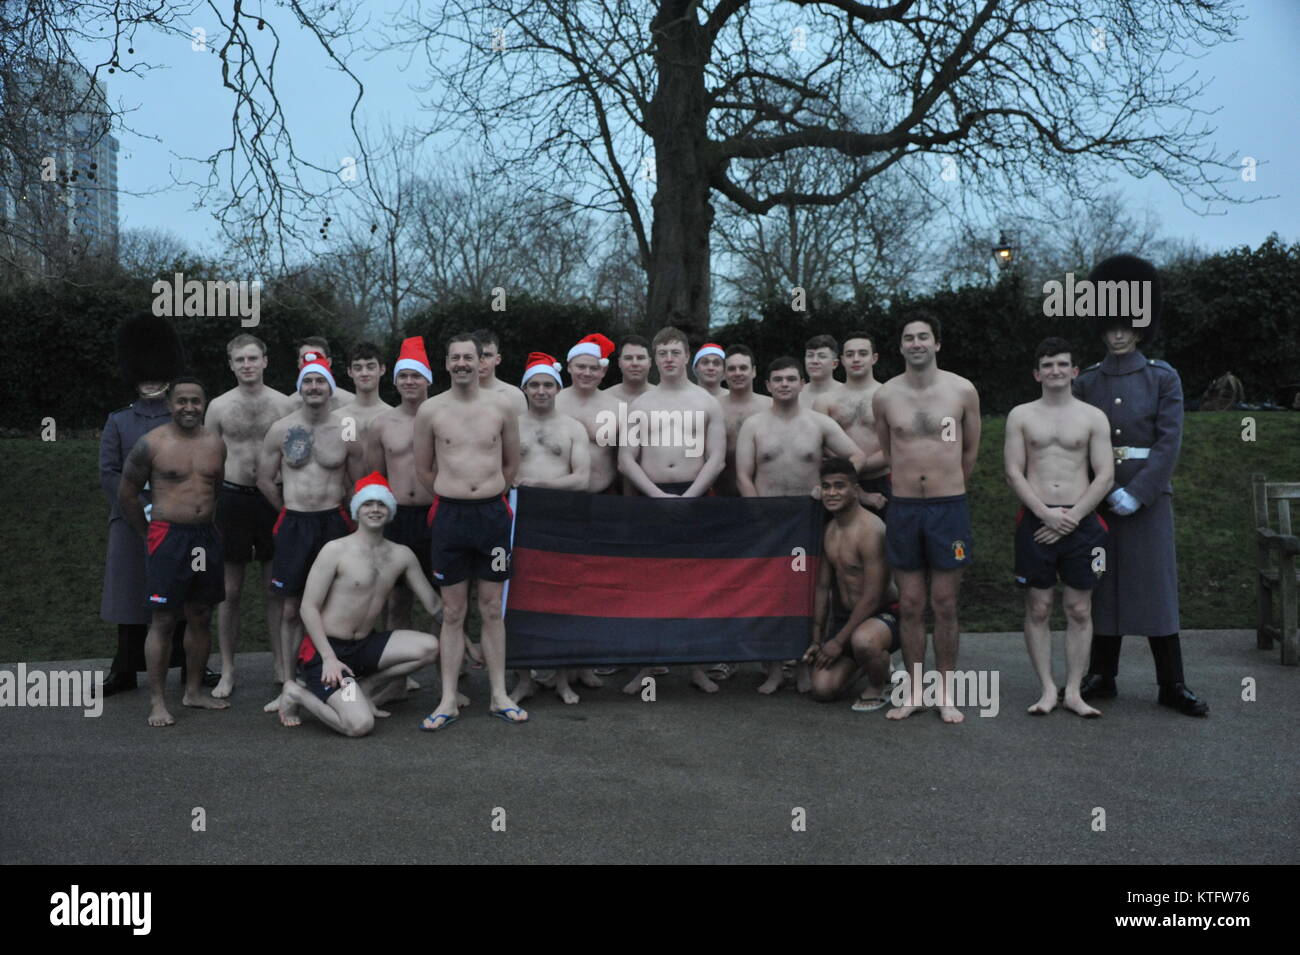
(1004, 252)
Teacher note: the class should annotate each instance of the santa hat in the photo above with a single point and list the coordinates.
(540, 363)
(597, 345)
(318, 363)
(708, 348)
(413, 357)
(374, 487)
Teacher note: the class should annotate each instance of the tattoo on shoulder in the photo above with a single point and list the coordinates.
(139, 462)
(297, 446)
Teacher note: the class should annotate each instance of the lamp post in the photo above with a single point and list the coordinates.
(1004, 253)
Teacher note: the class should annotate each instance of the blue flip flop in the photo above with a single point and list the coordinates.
(447, 720)
(501, 715)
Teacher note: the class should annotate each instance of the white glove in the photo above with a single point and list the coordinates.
(148, 512)
(1122, 502)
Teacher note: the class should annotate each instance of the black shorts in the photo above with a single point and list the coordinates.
(299, 536)
(928, 532)
(1072, 557)
(888, 616)
(360, 656)
(410, 528)
(679, 487)
(184, 565)
(469, 539)
(246, 520)
(878, 485)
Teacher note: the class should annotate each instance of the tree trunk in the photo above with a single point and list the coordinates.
(678, 273)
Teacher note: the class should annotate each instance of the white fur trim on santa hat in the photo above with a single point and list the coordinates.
(319, 369)
(587, 348)
(708, 350)
(541, 368)
(374, 492)
(410, 363)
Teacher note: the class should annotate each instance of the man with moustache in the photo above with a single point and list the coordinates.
(634, 366)
(320, 346)
(850, 406)
(820, 359)
(241, 417)
(182, 462)
(584, 401)
(318, 467)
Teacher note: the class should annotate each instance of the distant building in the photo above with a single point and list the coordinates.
(58, 169)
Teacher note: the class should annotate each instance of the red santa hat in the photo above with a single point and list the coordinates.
(540, 363)
(596, 345)
(315, 362)
(412, 356)
(708, 348)
(374, 487)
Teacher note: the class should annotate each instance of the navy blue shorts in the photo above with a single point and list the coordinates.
(929, 533)
(1071, 558)
(246, 520)
(889, 617)
(469, 539)
(410, 528)
(299, 536)
(878, 485)
(175, 551)
(360, 656)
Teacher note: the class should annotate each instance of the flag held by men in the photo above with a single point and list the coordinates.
(604, 579)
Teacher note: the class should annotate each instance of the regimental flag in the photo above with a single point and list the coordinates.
(605, 579)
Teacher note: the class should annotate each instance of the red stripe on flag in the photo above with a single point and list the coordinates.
(682, 587)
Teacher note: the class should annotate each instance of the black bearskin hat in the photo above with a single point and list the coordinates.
(148, 349)
(1128, 268)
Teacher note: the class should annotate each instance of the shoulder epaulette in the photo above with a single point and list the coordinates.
(1093, 367)
(1160, 363)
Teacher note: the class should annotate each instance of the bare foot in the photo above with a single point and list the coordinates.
(700, 680)
(587, 677)
(379, 714)
(1046, 703)
(565, 692)
(411, 685)
(1074, 703)
(775, 678)
(950, 714)
(803, 678)
(274, 705)
(633, 686)
(902, 712)
(289, 707)
(225, 686)
(204, 702)
(158, 716)
(525, 688)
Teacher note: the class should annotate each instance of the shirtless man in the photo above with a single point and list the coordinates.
(671, 461)
(634, 365)
(853, 581)
(584, 401)
(487, 370)
(850, 406)
(779, 454)
(346, 592)
(320, 346)
(466, 454)
(1050, 445)
(553, 453)
(390, 450)
(739, 402)
(820, 359)
(182, 462)
(708, 368)
(928, 424)
(366, 369)
(318, 468)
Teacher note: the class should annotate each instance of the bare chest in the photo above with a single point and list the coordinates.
(937, 418)
(542, 441)
(320, 444)
(1065, 433)
(477, 431)
(779, 443)
(247, 421)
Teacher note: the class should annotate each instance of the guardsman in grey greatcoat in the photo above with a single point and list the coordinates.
(1143, 400)
(149, 355)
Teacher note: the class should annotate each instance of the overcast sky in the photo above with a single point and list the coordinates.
(1255, 87)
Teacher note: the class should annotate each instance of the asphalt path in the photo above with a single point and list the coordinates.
(688, 778)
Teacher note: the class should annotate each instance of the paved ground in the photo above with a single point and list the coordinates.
(687, 778)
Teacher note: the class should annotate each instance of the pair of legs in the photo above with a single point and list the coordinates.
(944, 585)
(352, 709)
(228, 617)
(1078, 645)
(455, 606)
(158, 651)
(867, 652)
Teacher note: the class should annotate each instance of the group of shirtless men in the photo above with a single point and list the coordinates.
(355, 508)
